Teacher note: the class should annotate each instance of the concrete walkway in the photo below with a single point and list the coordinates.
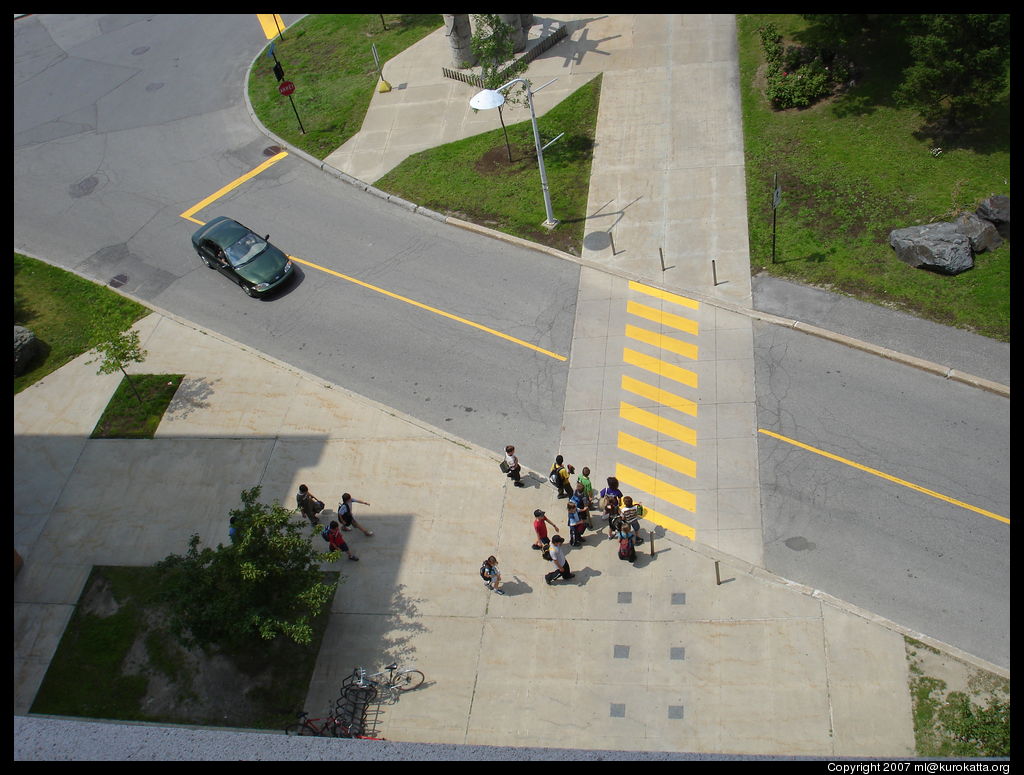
(659, 656)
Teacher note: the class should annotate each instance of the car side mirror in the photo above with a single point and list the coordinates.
(267, 238)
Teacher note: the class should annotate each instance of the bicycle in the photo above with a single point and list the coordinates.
(332, 726)
(391, 684)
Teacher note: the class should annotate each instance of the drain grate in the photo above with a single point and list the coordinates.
(273, 150)
(118, 280)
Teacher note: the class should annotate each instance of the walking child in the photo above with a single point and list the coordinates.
(491, 576)
(345, 514)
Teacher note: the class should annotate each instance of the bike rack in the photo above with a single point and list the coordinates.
(357, 707)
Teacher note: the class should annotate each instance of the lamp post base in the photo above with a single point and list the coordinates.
(550, 224)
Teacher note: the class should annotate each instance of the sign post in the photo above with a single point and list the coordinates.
(384, 85)
(287, 88)
(776, 198)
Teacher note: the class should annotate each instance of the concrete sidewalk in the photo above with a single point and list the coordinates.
(658, 656)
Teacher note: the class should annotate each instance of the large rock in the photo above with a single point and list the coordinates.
(25, 348)
(982, 234)
(937, 246)
(997, 210)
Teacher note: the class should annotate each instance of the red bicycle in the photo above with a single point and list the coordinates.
(331, 726)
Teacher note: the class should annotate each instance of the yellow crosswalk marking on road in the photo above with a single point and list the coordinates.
(660, 367)
(680, 528)
(662, 342)
(272, 24)
(660, 490)
(661, 457)
(657, 424)
(659, 396)
(663, 295)
(663, 318)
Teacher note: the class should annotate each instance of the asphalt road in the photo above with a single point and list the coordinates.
(122, 123)
(932, 565)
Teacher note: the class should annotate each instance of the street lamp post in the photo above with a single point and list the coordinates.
(493, 98)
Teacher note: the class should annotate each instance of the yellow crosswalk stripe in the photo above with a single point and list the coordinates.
(657, 424)
(662, 318)
(663, 458)
(680, 528)
(660, 490)
(660, 367)
(663, 295)
(662, 342)
(272, 24)
(659, 396)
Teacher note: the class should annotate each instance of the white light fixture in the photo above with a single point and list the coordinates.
(493, 98)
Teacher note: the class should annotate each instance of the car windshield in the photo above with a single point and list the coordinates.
(246, 249)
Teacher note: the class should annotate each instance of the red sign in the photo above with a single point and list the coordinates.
(286, 87)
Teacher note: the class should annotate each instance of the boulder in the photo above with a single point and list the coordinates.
(997, 210)
(981, 233)
(25, 348)
(937, 246)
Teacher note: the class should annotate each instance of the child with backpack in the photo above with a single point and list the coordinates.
(627, 541)
(631, 514)
(559, 476)
(489, 573)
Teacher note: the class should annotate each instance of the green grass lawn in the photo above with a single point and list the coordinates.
(474, 180)
(137, 406)
(60, 308)
(330, 60)
(853, 168)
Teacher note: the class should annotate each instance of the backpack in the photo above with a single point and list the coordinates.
(324, 534)
(555, 476)
(626, 550)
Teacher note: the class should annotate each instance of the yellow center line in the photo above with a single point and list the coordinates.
(436, 311)
(187, 215)
(893, 479)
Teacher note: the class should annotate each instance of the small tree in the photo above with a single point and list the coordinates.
(119, 348)
(494, 47)
(267, 583)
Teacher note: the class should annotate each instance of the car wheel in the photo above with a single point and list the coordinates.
(249, 291)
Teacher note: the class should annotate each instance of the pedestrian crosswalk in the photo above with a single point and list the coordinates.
(657, 438)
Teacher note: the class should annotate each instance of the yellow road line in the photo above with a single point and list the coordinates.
(659, 396)
(681, 528)
(663, 318)
(660, 367)
(660, 490)
(230, 186)
(436, 311)
(657, 424)
(662, 342)
(893, 479)
(663, 295)
(661, 457)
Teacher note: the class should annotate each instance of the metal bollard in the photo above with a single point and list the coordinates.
(718, 577)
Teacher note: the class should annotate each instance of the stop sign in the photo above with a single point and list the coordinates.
(286, 87)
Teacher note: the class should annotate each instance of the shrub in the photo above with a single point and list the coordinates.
(799, 76)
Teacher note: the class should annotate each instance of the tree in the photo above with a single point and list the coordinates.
(267, 583)
(960, 65)
(119, 348)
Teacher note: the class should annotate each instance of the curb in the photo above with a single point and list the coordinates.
(947, 372)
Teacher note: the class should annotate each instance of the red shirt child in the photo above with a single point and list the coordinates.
(540, 528)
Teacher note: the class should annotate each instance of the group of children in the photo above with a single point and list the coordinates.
(621, 515)
(311, 506)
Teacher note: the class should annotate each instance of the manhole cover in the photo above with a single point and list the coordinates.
(273, 150)
(118, 281)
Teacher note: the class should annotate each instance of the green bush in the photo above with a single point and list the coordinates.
(799, 76)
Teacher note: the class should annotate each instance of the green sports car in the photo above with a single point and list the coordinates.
(242, 256)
